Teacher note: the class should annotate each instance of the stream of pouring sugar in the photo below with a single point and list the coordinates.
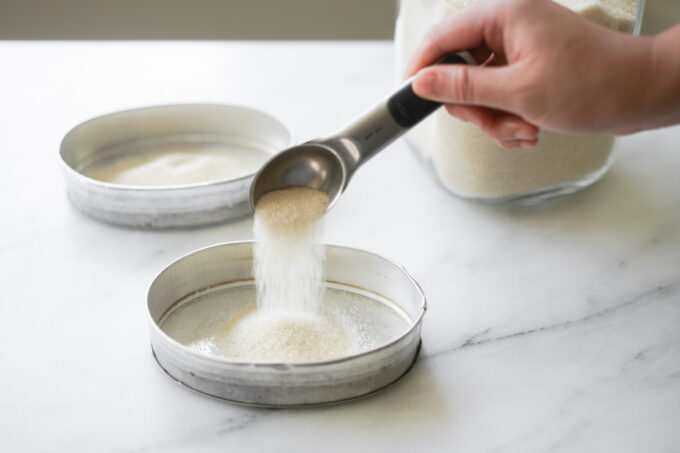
(288, 259)
(294, 320)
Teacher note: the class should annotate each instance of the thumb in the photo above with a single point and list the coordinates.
(461, 84)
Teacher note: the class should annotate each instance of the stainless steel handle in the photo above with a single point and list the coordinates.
(386, 121)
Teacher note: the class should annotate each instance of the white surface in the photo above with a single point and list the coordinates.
(549, 329)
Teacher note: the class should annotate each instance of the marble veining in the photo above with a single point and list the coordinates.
(660, 294)
(549, 329)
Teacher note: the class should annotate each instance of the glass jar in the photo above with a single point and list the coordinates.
(468, 162)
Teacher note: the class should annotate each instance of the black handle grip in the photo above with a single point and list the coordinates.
(407, 109)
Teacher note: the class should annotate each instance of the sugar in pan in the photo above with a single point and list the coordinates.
(224, 322)
(169, 166)
(207, 334)
(172, 164)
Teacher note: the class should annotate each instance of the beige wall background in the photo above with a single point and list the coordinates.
(226, 19)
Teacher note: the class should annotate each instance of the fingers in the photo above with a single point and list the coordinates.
(485, 96)
(488, 86)
(510, 131)
(483, 56)
(465, 30)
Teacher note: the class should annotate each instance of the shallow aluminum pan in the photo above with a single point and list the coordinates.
(285, 384)
(166, 206)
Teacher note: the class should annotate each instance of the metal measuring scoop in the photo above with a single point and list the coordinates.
(328, 164)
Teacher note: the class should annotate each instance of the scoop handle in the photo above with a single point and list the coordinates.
(407, 109)
(384, 122)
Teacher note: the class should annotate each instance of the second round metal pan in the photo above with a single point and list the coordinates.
(167, 206)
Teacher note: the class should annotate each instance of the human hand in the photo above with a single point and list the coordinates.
(550, 68)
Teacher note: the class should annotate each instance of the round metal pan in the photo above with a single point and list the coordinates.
(171, 206)
(286, 384)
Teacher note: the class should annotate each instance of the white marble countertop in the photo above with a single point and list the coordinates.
(549, 329)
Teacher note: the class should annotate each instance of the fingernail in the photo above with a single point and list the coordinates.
(527, 144)
(526, 134)
(508, 144)
(427, 82)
